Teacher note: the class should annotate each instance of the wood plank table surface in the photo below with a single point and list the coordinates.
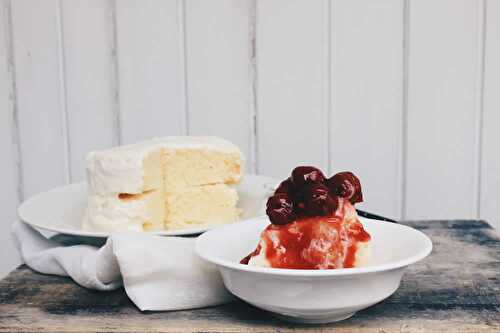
(456, 289)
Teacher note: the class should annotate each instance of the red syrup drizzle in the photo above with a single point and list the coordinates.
(320, 242)
(358, 234)
(313, 243)
(245, 260)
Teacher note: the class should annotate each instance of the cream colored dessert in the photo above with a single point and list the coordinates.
(218, 206)
(320, 242)
(362, 256)
(314, 224)
(165, 183)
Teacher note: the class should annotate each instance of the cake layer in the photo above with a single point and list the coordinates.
(201, 206)
(363, 254)
(175, 162)
(192, 207)
(194, 167)
(125, 212)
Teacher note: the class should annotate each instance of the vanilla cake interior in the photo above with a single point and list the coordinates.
(168, 183)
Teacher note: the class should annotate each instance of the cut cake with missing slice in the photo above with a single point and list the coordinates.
(164, 183)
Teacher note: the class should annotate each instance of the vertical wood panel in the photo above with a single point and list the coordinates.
(292, 72)
(366, 119)
(218, 70)
(490, 176)
(151, 70)
(8, 168)
(444, 67)
(89, 82)
(40, 97)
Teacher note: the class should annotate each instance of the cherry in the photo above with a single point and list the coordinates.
(279, 208)
(303, 175)
(299, 203)
(319, 201)
(285, 186)
(346, 185)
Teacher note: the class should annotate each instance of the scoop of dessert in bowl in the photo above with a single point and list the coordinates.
(312, 259)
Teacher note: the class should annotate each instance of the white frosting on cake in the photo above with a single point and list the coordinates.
(120, 169)
(108, 213)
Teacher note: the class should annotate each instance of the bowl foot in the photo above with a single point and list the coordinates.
(313, 319)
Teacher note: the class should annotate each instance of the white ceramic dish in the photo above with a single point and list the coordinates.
(61, 209)
(313, 296)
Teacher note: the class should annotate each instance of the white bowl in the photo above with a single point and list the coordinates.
(313, 296)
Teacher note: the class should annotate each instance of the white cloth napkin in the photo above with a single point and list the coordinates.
(158, 273)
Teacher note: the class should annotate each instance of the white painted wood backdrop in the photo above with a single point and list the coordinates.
(403, 92)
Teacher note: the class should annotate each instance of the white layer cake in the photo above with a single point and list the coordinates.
(164, 183)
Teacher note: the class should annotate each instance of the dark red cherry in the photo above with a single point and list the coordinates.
(346, 185)
(279, 208)
(318, 200)
(299, 205)
(303, 175)
(285, 186)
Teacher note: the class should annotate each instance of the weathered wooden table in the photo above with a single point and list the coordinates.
(456, 289)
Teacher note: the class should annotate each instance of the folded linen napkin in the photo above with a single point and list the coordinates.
(158, 273)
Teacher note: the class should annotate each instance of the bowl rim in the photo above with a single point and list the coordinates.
(421, 254)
